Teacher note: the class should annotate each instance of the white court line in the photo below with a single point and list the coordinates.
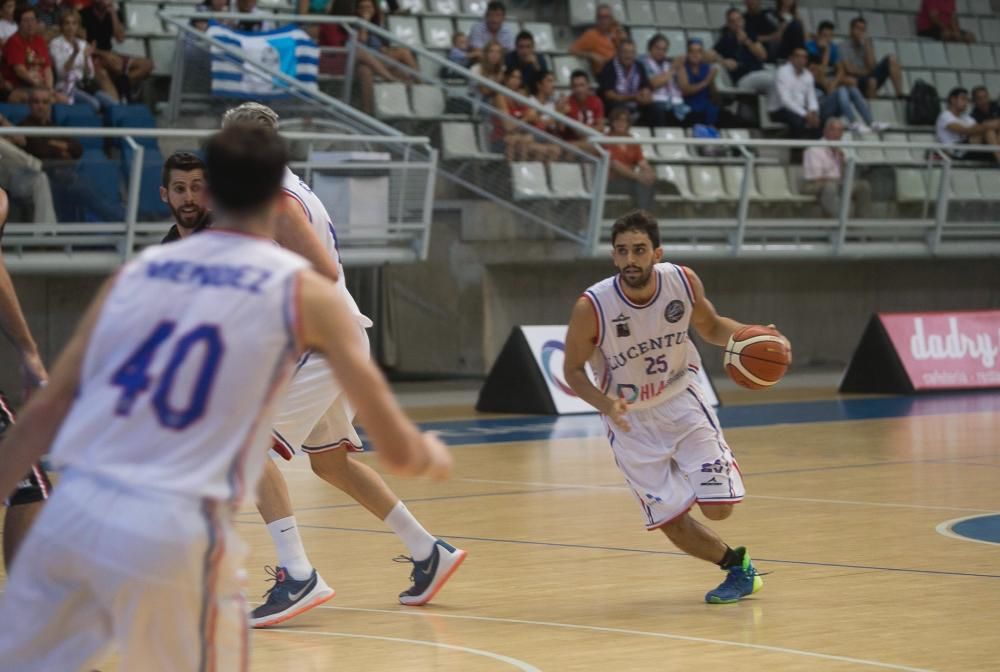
(850, 502)
(641, 633)
(519, 664)
(945, 530)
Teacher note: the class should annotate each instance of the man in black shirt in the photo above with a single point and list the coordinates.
(183, 190)
(983, 109)
(103, 23)
(780, 34)
(743, 57)
(531, 64)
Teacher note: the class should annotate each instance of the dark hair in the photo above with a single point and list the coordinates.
(978, 88)
(824, 25)
(656, 38)
(524, 35)
(182, 161)
(856, 20)
(244, 167)
(579, 73)
(627, 40)
(22, 10)
(729, 12)
(617, 112)
(496, 6)
(695, 40)
(637, 220)
(956, 92)
(376, 17)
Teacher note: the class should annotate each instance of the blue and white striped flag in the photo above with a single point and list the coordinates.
(287, 50)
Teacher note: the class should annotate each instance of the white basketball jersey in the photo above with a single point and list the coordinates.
(192, 348)
(643, 353)
(321, 223)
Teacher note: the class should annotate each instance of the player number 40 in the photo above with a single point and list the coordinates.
(134, 378)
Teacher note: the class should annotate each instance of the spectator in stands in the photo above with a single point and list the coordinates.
(48, 12)
(792, 100)
(858, 56)
(212, 6)
(623, 82)
(841, 94)
(545, 96)
(47, 148)
(459, 52)
(26, 61)
(8, 26)
(742, 56)
(104, 26)
(247, 26)
(366, 9)
(491, 29)
(668, 107)
(629, 171)
(597, 44)
(983, 109)
(696, 80)
(583, 106)
(491, 67)
(531, 64)
(780, 30)
(183, 190)
(938, 20)
(516, 140)
(955, 126)
(823, 174)
(76, 76)
(22, 176)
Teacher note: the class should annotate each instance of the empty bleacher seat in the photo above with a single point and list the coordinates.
(678, 177)
(694, 15)
(437, 32)
(459, 140)
(897, 154)
(945, 81)
(982, 57)
(474, 7)
(428, 101)
(993, 81)
(959, 56)
(989, 30)
(564, 67)
(581, 12)
(406, 29)
(820, 14)
(918, 154)
(528, 180)
(391, 100)
(732, 177)
(641, 36)
(885, 110)
(883, 47)
(934, 54)
(911, 184)
(672, 152)
(909, 54)
(141, 19)
(971, 79)
(667, 13)
(678, 42)
(716, 14)
(869, 154)
(445, 7)
(14, 113)
(640, 13)
(161, 52)
(567, 180)
(412, 6)
(980, 7)
(706, 182)
(989, 184)
(877, 26)
(772, 182)
(82, 116)
(900, 25)
(132, 46)
(965, 185)
(545, 40)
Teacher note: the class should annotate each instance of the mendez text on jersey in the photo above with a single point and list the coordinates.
(244, 277)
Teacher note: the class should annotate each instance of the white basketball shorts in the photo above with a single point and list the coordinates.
(315, 415)
(674, 456)
(157, 576)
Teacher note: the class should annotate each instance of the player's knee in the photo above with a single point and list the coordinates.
(328, 465)
(716, 511)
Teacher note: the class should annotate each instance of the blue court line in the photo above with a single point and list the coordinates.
(904, 570)
(540, 428)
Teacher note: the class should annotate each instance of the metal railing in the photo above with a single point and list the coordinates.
(405, 170)
(921, 235)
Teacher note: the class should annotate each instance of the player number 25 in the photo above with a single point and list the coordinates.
(658, 364)
(134, 379)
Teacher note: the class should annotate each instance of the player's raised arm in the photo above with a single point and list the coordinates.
(711, 326)
(329, 327)
(30, 438)
(295, 233)
(580, 347)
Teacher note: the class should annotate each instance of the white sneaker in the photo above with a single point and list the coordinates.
(879, 126)
(859, 127)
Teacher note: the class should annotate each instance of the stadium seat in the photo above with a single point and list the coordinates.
(716, 14)
(459, 142)
(437, 32)
(640, 13)
(694, 16)
(877, 26)
(772, 181)
(970, 79)
(391, 100)
(706, 182)
(993, 82)
(898, 154)
(982, 57)
(529, 181)
(934, 54)
(959, 56)
(428, 101)
(465, 24)
(15, 114)
(142, 19)
(965, 185)
(82, 116)
(150, 204)
(911, 185)
(678, 42)
(668, 14)
(900, 26)
(678, 177)
(581, 12)
(883, 47)
(672, 152)
(732, 177)
(869, 154)
(989, 30)
(406, 29)
(909, 54)
(132, 46)
(161, 52)
(444, 7)
(641, 133)
(642, 35)
(820, 14)
(981, 7)
(474, 7)
(564, 67)
(989, 184)
(412, 6)
(918, 154)
(545, 40)
(945, 81)
(885, 110)
(567, 181)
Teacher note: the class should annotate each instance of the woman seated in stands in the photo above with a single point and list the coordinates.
(545, 96)
(366, 9)
(76, 76)
(512, 126)
(491, 67)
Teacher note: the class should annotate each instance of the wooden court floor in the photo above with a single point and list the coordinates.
(561, 574)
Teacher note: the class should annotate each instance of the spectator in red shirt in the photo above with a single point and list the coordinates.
(939, 20)
(630, 172)
(26, 61)
(583, 106)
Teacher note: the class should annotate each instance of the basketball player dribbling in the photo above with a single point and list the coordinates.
(158, 414)
(633, 330)
(26, 502)
(315, 417)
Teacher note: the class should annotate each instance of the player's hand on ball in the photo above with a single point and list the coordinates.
(787, 343)
(617, 414)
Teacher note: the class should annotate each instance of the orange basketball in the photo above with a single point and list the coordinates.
(756, 357)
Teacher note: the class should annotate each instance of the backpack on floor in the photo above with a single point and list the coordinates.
(923, 107)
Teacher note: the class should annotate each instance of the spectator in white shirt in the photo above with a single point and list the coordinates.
(72, 61)
(955, 126)
(823, 174)
(491, 29)
(793, 101)
(7, 24)
(668, 107)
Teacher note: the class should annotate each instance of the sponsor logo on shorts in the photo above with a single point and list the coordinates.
(674, 311)
(712, 481)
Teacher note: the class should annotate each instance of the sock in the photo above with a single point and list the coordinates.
(413, 534)
(732, 558)
(291, 552)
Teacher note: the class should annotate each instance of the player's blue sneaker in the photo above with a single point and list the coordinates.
(430, 575)
(288, 598)
(740, 581)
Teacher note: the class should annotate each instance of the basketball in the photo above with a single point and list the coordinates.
(756, 357)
